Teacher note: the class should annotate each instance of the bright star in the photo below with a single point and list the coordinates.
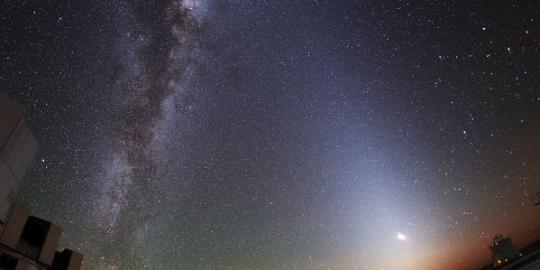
(401, 236)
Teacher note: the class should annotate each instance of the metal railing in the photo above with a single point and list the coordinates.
(27, 249)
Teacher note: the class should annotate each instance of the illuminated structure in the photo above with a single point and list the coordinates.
(18, 149)
(503, 251)
(26, 242)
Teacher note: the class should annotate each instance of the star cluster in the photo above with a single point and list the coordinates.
(204, 134)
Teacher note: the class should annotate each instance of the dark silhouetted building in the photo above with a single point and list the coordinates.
(503, 251)
(536, 199)
(527, 258)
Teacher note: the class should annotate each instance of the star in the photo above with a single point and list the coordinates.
(401, 237)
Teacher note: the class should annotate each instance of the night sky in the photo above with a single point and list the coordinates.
(230, 134)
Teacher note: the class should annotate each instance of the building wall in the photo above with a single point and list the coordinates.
(51, 244)
(14, 227)
(9, 187)
(75, 261)
(11, 115)
(18, 149)
(24, 265)
(21, 262)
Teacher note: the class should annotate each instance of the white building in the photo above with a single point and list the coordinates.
(18, 149)
(26, 242)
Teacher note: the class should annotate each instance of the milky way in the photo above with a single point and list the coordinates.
(167, 38)
(165, 49)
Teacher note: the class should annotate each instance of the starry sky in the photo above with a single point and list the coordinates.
(266, 134)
